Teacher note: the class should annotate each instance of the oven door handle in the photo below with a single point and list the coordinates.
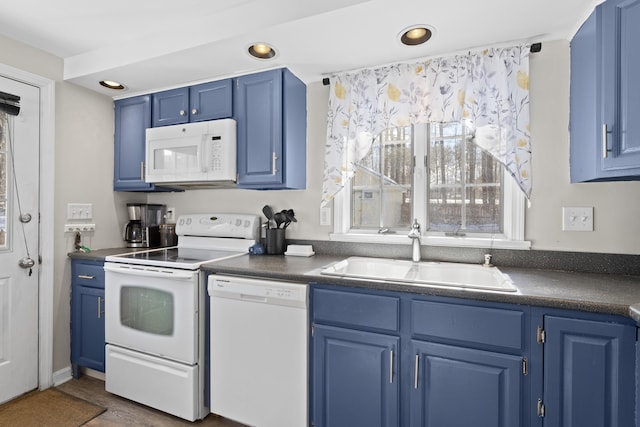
(150, 272)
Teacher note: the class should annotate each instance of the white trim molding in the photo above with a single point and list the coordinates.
(46, 202)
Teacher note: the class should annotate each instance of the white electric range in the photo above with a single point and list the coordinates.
(154, 313)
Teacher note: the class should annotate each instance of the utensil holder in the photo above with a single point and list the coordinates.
(275, 241)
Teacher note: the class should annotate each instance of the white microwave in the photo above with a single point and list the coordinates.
(192, 154)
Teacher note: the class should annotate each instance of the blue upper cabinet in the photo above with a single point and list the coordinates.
(605, 63)
(132, 118)
(206, 101)
(271, 112)
(171, 107)
(211, 101)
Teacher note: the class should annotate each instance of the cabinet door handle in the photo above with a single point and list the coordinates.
(605, 146)
(194, 111)
(274, 157)
(390, 366)
(183, 113)
(415, 374)
(86, 276)
(99, 307)
(142, 171)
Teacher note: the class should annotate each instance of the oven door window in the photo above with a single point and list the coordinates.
(147, 310)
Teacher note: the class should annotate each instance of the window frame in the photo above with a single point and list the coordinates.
(513, 213)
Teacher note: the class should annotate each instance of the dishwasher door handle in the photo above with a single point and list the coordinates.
(254, 298)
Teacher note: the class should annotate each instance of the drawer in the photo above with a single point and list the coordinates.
(87, 274)
(356, 309)
(483, 326)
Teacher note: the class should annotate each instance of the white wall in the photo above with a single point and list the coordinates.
(84, 168)
(616, 205)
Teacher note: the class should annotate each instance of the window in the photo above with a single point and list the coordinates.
(381, 187)
(434, 173)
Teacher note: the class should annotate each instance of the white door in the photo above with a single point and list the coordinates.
(19, 177)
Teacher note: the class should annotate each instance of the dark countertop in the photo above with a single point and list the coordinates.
(101, 254)
(598, 293)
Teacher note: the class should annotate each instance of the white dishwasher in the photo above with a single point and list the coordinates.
(259, 353)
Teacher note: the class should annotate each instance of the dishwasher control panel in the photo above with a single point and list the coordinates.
(258, 290)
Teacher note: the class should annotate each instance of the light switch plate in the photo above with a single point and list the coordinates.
(79, 211)
(577, 219)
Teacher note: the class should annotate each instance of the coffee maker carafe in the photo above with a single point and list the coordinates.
(143, 228)
(133, 233)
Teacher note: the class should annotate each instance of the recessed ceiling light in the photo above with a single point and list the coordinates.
(110, 84)
(261, 51)
(415, 35)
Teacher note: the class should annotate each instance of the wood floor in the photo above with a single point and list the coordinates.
(121, 411)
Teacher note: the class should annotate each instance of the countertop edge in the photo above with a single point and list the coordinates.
(590, 292)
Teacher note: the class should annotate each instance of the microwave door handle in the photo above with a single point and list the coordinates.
(204, 153)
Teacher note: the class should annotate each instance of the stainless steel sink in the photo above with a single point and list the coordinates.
(449, 274)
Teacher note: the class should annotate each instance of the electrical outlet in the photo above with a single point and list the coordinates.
(72, 228)
(79, 211)
(325, 216)
(577, 219)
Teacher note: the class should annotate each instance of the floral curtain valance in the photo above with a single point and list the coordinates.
(487, 90)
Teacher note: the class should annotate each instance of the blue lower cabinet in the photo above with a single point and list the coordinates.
(87, 316)
(458, 386)
(589, 373)
(355, 377)
(383, 358)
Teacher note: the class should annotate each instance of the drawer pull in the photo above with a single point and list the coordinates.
(99, 307)
(86, 276)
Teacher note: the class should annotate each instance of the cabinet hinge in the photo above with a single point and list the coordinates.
(540, 335)
(525, 366)
(540, 408)
(313, 329)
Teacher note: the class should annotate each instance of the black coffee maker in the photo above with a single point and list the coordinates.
(143, 228)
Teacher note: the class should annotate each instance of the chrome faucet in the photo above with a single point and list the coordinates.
(414, 235)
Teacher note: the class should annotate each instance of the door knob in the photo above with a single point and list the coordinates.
(26, 262)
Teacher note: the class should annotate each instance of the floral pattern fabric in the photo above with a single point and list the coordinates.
(487, 90)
